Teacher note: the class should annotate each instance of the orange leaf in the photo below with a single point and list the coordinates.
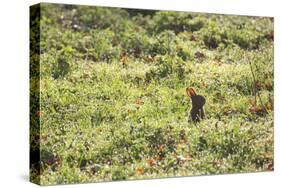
(257, 110)
(270, 167)
(162, 147)
(39, 113)
(140, 170)
(151, 162)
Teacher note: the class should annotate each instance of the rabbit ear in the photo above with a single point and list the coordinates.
(190, 92)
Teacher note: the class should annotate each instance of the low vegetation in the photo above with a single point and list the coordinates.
(113, 104)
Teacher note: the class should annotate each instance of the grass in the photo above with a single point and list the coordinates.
(126, 116)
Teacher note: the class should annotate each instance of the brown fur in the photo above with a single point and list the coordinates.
(198, 101)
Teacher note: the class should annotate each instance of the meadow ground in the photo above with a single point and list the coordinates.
(112, 94)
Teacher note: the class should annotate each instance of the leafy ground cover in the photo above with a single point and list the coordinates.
(113, 103)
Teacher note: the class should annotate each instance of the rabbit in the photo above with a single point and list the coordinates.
(197, 112)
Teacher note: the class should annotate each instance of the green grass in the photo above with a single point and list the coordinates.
(107, 116)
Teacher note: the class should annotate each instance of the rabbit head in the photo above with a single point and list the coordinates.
(190, 92)
(197, 100)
